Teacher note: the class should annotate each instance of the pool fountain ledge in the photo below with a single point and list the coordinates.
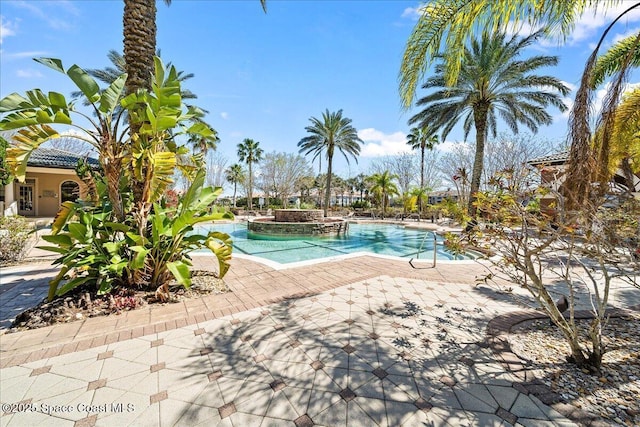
(297, 222)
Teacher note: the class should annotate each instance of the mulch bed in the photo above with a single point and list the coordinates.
(82, 302)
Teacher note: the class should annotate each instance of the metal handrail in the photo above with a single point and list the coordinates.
(435, 253)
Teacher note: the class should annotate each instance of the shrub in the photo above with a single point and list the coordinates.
(14, 238)
(361, 204)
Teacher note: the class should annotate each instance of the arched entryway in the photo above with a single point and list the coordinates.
(69, 191)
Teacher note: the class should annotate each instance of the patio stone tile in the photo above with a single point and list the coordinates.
(209, 396)
(399, 413)
(29, 418)
(445, 398)
(333, 416)
(227, 410)
(255, 404)
(303, 421)
(374, 408)
(44, 385)
(472, 400)
(524, 407)
(372, 389)
(86, 370)
(142, 382)
(174, 412)
(281, 408)
(298, 397)
(320, 400)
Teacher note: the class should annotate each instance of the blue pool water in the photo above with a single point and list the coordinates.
(375, 238)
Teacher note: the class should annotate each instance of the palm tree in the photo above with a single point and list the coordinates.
(234, 175)
(492, 83)
(361, 184)
(383, 187)
(331, 133)
(422, 138)
(613, 60)
(453, 24)
(439, 20)
(617, 141)
(249, 151)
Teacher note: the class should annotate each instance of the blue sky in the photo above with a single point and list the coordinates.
(262, 76)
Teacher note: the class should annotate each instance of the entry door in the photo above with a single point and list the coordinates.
(26, 200)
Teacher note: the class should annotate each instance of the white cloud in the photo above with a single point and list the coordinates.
(48, 16)
(571, 86)
(450, 146)
(565, 115)
(412, 13)
(224, 115)
(378, 143)
(596, 18)
(590, 24)
(602, 93)
(19, 55)
(236, 134)
(621, 36)
(7, 28)
(28, 74)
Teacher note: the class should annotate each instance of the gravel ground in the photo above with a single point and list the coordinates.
(613, 394)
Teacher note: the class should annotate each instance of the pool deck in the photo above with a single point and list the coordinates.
(359, 341)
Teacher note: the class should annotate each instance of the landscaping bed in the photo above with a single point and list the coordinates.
(613, 394)
(80, 304)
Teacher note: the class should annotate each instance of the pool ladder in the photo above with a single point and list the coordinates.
(435, 252)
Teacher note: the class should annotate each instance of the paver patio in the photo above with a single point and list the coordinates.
(363, 341)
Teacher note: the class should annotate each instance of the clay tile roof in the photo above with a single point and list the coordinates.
(58, 159)
(552, 159)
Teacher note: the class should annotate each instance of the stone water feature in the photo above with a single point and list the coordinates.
(297, 222)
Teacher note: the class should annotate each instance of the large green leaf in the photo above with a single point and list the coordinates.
(78, 231)
(57, 100)
(53, 63)
(71, 284)
(193, 192)
(62, 240)
(14, 102)
(139, 256)
(67, 209)
(221, 246)
(111, 95)
(164, 164)
(25, 141)
(53, 283)
(180, 271)
(85, 83)
(56, 249)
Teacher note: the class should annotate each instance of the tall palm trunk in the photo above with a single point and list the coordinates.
(480, 120)
(422, 148)
(139, 28)
(250, 201)
(327, 192)
(235, 186)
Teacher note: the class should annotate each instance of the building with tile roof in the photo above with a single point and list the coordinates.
(50, 180)
(552, 175)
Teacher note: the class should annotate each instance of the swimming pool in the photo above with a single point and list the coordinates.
(380, 239)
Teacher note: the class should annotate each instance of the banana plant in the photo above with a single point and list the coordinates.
(110, 242)
(150, 154)
(97, 251)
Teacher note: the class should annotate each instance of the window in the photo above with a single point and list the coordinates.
(69, 191)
